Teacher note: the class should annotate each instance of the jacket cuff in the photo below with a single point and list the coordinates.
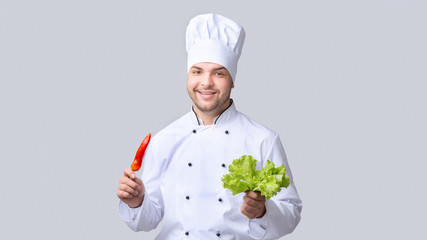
(258, 226)
(127, 213)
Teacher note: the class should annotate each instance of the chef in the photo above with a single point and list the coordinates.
(181, 181)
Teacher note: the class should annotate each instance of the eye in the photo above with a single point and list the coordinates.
(221, 74)
(196, 72)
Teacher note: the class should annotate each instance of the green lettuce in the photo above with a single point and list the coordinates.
(243, 176)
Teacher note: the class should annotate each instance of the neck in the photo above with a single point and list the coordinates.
(209, 117)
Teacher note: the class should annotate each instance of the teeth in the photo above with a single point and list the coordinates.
(207, 93)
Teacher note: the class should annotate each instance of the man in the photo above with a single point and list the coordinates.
(181, 183)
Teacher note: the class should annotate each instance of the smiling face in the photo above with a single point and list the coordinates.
(209, 86)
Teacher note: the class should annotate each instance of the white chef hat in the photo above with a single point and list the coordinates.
(214, 38)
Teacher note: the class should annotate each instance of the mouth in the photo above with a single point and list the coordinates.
(206, 94)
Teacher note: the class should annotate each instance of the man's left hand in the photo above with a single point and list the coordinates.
(253, 205)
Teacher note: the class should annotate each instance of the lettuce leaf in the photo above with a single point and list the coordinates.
(243, 176)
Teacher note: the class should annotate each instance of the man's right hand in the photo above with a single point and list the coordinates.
(131, 189)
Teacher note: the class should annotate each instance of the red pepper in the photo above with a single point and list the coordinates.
(136, 165)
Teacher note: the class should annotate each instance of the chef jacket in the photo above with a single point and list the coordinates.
(182, 174)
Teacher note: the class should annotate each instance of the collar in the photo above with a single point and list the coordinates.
(224, 117)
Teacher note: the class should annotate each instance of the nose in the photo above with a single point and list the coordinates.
(206, 80)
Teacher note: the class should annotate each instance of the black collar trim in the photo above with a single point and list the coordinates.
(197, 118)
(195, 114)
(231, 103)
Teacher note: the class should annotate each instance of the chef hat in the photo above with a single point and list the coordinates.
(214, 38)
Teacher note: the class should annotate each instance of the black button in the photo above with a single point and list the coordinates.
(218, 234)
(194, 130)
(189, 164)
(223, 165)
(220, 199)
(226, 131)
(186, 233)
(187, 197)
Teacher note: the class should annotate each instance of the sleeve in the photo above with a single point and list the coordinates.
(258, 226)
(150, 213)
(283, 210)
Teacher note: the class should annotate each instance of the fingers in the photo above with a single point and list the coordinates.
(127, 191)
(134, 184)
(253, 205)
(253, 212)
(124, 194)
(254, 199)
(129, 173)
(130, 185)
(131, 189)
(254, 195)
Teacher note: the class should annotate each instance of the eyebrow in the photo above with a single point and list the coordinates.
(220, 68)
(215, 69)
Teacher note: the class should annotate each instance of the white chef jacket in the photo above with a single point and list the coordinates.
(183, 166)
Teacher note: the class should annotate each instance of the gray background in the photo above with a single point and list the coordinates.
(342, 82)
